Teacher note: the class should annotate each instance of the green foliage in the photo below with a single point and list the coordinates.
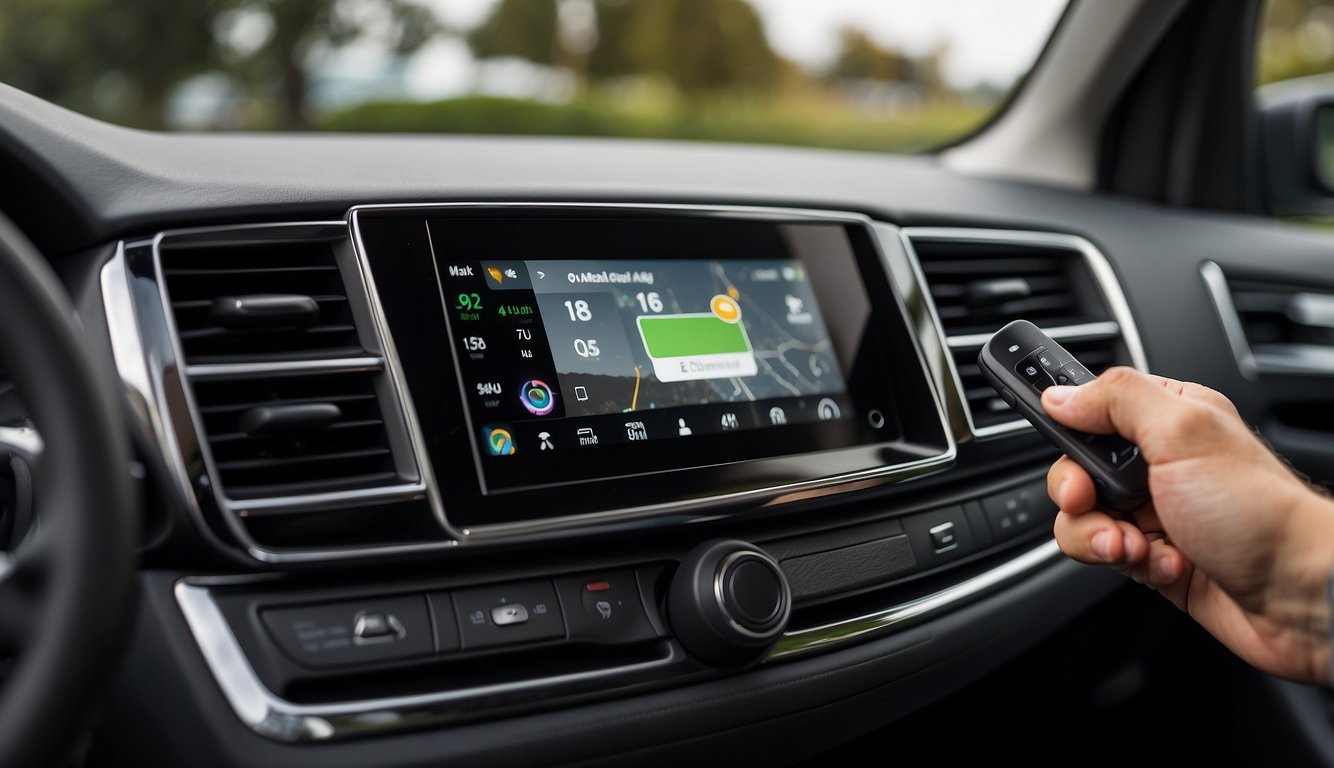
(528, 29)
(120, 60)
(680, 69)
(719, 119)
(1296, 39)
(298, 27)
(116, 60)
(699, 45)
(862, 58)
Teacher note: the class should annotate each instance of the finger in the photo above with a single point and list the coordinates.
(1129, 403)
(1170, 572)
(1095, 537)
(1071, 487)
(1121, 400)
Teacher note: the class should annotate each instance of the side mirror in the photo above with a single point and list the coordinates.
(1297, 145)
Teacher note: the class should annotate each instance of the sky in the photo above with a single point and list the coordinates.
(989, 41)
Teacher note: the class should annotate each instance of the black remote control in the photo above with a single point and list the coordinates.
(1020, 361)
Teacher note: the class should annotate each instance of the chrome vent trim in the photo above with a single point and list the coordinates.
(1121, 324)
(148, 353)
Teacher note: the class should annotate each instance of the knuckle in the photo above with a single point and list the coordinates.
(1119, 375)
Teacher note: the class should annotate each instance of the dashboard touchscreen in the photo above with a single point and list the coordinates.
(599, 349)
(567, 355)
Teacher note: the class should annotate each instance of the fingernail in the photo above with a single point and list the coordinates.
(1129, 542)
(1102, 545)
(1167, 566)
(1058, 394)
(1060, 492)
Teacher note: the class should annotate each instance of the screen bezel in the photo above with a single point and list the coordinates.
(394, 243)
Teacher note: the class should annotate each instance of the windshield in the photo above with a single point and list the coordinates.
(889, 75)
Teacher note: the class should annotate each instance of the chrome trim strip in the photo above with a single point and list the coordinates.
(1104, 277)
(697, 509)
(416, 434)
(1216, 284)
(803, 641)
(144, 374)
(908, 277)
(311, 502)
(276, 718)
(1107, 329)
(223, 371)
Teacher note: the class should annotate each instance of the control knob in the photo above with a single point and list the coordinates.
(728, 603)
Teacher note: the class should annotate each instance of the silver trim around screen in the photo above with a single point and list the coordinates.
(702, 508)
(1104, 277)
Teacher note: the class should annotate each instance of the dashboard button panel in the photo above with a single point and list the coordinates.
(352, 631)
(1020, 509)
(604, 608)
(519, 612)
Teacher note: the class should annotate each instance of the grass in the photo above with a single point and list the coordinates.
(816, 122)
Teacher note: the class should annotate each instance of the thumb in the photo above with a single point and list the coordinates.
(1122, 400)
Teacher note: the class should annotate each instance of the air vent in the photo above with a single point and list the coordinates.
(981, 281)
(1275, 326)
(242, 304)
(295, 435)
(301, 431)
(979, 287)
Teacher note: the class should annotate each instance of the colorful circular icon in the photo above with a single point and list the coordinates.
(537, 397)
(499, 441)
(726, 308)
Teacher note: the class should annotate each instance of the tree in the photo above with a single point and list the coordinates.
(527, 29)
(121, 60)
(699, 45)
(862, 58)
(301, 27)
(118, 61)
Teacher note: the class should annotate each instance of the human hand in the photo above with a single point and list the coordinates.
(1230, 535)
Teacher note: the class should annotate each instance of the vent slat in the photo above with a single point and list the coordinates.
(247, 272)
(235, 437)
(214, 332)
(246, 405)
(284, 462)
(198, 304)
(346, 483)
(997, 266)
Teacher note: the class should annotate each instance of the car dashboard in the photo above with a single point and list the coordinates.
(448, 454)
